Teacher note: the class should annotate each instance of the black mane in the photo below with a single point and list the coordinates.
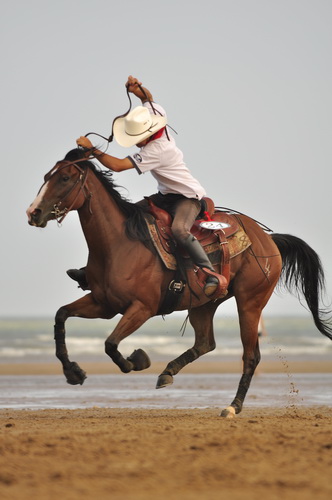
(136, 228)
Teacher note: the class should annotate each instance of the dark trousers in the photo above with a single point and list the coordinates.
(184, 212)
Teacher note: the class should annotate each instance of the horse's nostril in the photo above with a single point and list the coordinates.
(35, 214)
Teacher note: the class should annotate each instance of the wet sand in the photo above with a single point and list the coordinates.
(132, 453)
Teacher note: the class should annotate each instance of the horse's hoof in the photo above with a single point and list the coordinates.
(74, 374)
(140, 360)
(164, 380)
(228, 412)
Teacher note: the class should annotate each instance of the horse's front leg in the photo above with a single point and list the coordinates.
(201, 319)
(134, 317)
(84, 307)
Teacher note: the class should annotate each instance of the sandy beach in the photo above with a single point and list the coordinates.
(129, 453)
(169, 454)
(199, 366)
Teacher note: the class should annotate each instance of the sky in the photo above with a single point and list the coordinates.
(245, 83)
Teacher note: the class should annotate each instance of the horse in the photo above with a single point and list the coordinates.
(126, 275)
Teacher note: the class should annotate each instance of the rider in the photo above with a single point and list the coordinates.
(179, 193)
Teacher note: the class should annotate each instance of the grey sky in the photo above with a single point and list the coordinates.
(246, 84)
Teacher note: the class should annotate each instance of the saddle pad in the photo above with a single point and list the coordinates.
(237, 243)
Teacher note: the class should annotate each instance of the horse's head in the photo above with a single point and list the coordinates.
(64, 189)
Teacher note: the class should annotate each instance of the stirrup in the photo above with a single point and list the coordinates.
(217, 290)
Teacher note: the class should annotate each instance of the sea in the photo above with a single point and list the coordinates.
(30, 340)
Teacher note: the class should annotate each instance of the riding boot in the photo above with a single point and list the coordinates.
(79, 276)
(199, 257)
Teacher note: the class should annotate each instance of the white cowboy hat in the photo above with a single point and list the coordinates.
(137, 126)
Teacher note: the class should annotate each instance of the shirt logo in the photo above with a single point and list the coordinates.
(137, 157)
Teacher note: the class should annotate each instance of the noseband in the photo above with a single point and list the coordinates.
(58, 212)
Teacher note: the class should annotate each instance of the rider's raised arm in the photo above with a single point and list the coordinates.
(135, 87)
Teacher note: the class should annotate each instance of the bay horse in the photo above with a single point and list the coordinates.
(126, 275)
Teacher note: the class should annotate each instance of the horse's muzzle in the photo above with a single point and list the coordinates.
(35, 218)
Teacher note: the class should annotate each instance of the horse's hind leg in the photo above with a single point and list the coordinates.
(251, 357)
(201, 319)
(84, 307)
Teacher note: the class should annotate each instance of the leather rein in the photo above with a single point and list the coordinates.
(155, 111)
(58, 212)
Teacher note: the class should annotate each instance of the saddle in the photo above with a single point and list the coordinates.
(219, 244)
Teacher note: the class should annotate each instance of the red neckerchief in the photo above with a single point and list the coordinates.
(157, 135)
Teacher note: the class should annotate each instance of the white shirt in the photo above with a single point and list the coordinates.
(164, 160)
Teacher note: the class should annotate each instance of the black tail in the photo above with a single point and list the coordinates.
(302, 272)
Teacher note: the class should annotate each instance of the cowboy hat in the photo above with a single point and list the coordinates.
(137, 126)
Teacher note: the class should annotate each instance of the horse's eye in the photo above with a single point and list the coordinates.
(65, 178)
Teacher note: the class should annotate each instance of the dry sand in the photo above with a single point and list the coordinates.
(199, 366)
(166, 454)
(102, 453)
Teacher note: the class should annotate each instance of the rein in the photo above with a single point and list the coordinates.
(155, 111)
(60, 214)
(110, 138)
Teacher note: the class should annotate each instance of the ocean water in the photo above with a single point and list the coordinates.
(30, 340)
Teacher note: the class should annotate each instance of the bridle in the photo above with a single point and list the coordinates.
(58, 212)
